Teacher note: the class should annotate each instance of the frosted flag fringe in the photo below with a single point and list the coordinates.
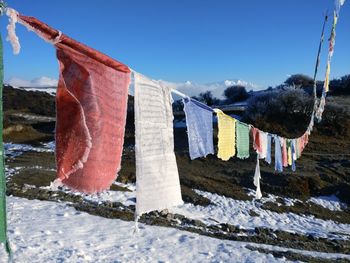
(11, 30)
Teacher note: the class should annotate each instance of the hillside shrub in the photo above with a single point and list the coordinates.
(288, 113)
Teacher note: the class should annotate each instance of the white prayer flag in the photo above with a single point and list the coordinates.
(157, 177)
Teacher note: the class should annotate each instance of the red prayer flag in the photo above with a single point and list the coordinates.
(284, 153)
(91, 104)
(256, 140)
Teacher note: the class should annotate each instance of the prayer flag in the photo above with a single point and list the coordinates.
(263, 144)
(257, 177)
(278, 153)
(91, 103)
(268, 149)
(242, 140)
(284, 152)
(256, 140)
(289, 151)
(157, 177)
(227, 136)
(199, 121)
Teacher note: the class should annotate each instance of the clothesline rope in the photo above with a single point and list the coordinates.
(180, 94)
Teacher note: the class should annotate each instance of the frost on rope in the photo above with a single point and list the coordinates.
(11, 30)
(54, 41)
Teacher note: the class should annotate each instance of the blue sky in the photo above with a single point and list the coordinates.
(198, 40)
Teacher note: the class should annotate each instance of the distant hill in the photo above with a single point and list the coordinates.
(40, 103)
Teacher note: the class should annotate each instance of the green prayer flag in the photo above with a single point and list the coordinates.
(242, 140)
(3, 223)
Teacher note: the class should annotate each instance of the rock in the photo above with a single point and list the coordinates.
(198, 223)
(253, 213)
(164, 212)
(170, 217)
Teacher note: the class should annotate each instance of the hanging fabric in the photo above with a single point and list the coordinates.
(263, 144)
(226, 135)
(284, 152)
(294, 156)
(268, 149)
(199, 122)
(332, 37)
(278, 153)
(302, 144)
(256, 140)
(328, 72)
(338, 5)
(321, 106)
(257, 177)
(318, 61)
(305, 141)
(3, 217)
(157, 177)
(91, 103)
(242, 140)
(289, 151)
(297, 148)
(312, 123)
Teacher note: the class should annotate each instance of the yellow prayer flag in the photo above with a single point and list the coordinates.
(326, 82)
(290, 162)
(226, 135)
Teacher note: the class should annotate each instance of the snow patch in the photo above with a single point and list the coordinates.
(14, 150)
(238, 213)
(330, 202)
(62, 234)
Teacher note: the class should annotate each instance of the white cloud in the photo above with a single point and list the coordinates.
(188, 87)
(34, 83)
(217, 88)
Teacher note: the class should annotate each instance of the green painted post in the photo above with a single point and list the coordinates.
(3, 220)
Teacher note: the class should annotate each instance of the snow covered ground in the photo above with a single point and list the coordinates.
(42, 231)
(237, 213)
(330, 202)
(55, 232)
(14, 150)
